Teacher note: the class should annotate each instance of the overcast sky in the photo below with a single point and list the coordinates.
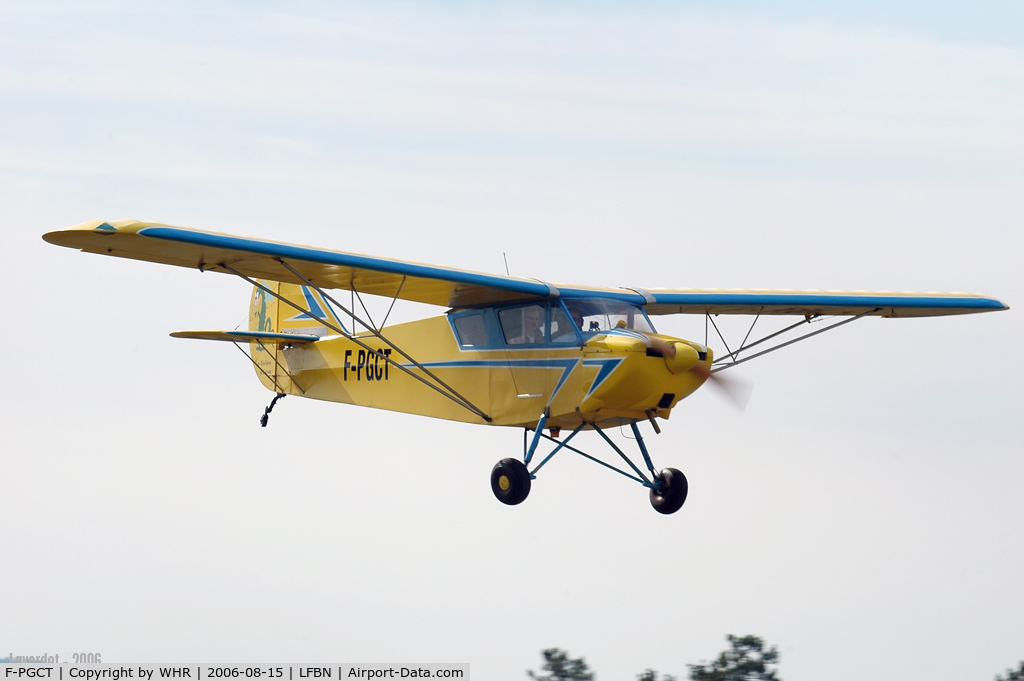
(863, 514)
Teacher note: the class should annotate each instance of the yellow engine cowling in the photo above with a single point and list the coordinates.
(681, 357)
(653, 375)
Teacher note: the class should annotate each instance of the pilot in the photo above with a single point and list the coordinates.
(566, 333)
(577, 316)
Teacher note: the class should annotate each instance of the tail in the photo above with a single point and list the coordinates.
(311, 314)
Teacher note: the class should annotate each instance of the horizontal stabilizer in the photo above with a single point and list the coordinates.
(266, 337)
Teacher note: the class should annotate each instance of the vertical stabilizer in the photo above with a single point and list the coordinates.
(263, 314)
(315, 308)
(268, 312)
(263, 308)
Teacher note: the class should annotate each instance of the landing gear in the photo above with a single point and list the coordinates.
(510, 481)
(672, 491)
(510, 478)
(266, 412)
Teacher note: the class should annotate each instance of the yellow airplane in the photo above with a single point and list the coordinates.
(509, 351)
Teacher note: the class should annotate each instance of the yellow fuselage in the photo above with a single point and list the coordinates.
(609, 379)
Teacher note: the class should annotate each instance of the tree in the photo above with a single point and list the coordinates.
(1013, 674)
(651, 675)
(562, 667)
(747, 660)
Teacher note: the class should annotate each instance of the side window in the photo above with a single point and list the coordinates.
(563, 330)
(523, 325)
(472, 330)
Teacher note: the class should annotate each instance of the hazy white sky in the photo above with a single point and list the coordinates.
(863, 513)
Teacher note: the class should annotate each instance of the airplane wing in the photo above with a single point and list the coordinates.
(837, 303)
(261, 259)
(277, 261)
(265, 337)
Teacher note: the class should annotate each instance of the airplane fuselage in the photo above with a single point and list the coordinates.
(612, 376)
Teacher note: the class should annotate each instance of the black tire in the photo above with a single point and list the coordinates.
(510, 481)
(672, 494)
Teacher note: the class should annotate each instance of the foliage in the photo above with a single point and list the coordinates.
(651, 675)
(1013, 674)
(746, 660)
(562, 668)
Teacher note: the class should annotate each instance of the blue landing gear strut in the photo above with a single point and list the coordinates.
(668, 488)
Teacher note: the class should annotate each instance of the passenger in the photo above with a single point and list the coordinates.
(532, 322)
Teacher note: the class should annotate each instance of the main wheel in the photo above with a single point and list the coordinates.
(672, 494)
(510, 481)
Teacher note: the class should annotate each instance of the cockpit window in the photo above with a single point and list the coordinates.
(523, 325)
(472, 330)
(600, 314)
(563, 329)
(562, 323)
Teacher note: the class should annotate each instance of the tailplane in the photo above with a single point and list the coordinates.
(278, 333)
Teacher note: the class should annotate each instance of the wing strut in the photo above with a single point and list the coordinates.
(392, 306)
(373, 325)
(451, 393)
(441, 387)
(719, 332)
(749, 331)
(731, 359)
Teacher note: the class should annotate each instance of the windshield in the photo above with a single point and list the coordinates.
(600, 314)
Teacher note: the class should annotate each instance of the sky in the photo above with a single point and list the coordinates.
(862, 513)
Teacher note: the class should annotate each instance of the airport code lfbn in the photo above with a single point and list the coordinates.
(201, 672)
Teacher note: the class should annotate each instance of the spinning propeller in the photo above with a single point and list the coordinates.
(735, 391)
(681, 357)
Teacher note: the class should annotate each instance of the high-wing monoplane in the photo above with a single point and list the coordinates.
(508, 351)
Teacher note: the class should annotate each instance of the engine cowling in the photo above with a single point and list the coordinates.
(681, 357)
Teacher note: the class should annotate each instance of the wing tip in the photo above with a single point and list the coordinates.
(68, 237)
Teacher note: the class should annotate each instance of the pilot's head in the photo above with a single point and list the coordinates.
(576, 315)
(531, 319)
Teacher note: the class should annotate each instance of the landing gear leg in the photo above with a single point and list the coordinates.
(510, 478)
(671, 491)
(266, 412)
(510, 481)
